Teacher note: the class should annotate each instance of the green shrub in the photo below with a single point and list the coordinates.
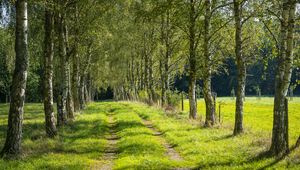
(173, 98)
(143, 95)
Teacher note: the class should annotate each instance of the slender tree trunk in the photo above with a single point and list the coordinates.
(192, 62)
(48, 74)
(280, 145)
(146, 70)
(151, 84)
(142, 73)
(75, 75)
(132, 78)
(89, 88)
(163, 89)
(161, 65)
(75, 82)
(209, 101)
(81, 92)
(83, 77)
(241, 67)
(12, 146)
(167, 56)
(63, 77)
(70, 103)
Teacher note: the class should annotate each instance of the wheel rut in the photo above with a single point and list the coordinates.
(170, 151)
(110, 152)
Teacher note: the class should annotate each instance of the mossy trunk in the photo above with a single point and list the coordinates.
(192, 62)
(75, 62)
(280, 145)
(241, 69)
(210, 119)
(63, 74)
(48, 74)
(12, 146)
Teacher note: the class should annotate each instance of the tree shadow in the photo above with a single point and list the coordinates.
(212, 164)
(268, 154)
(224, 137)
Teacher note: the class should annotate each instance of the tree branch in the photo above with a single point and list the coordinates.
(220, 6)
(218, 29)
(272, 34)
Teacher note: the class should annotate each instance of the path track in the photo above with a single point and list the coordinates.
(171, 152)
(111, 150)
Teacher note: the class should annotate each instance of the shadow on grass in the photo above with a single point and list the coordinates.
(260, 157)
(267, 154)
(224, 137)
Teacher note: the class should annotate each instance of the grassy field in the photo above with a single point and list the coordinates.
(79, 145)
(82, 144)
(258, 114)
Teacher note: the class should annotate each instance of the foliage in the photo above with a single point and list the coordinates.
(143, 96)
(173, 98)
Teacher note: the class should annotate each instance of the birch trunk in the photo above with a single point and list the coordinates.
(209, 101)
(280, 145)
(63, 77)
(12, 146)
(48, 75)
(192, 62)
(241, 67)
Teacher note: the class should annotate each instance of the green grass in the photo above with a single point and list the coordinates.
(81, 144)
(216, 148)
(138, 148)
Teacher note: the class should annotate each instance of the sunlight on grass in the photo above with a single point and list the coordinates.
(82, 143)
(79, 145)
(138, 148)
(216, 148)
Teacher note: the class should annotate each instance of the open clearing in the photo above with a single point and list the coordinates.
(126, 135)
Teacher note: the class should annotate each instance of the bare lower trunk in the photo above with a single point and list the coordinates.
(48, 75)
(70, 103)
(81, 93)
(192, 97)
(280, 145)
(192, 62)
(210, 119)
(241, 67)
(63, 76)
(75, 83)
(238, 128)
(12, 146)
(161, 64)
(75, 61)
(151, 84)
(84, 78)
(162, 84)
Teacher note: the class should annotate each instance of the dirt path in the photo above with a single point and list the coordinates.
(171, 152)
(111, 150)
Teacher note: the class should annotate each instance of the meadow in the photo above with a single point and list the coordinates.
(150, 138)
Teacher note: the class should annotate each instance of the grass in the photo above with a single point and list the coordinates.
(79, 145)
(82, 143)
(138, 148)
(216, 148)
